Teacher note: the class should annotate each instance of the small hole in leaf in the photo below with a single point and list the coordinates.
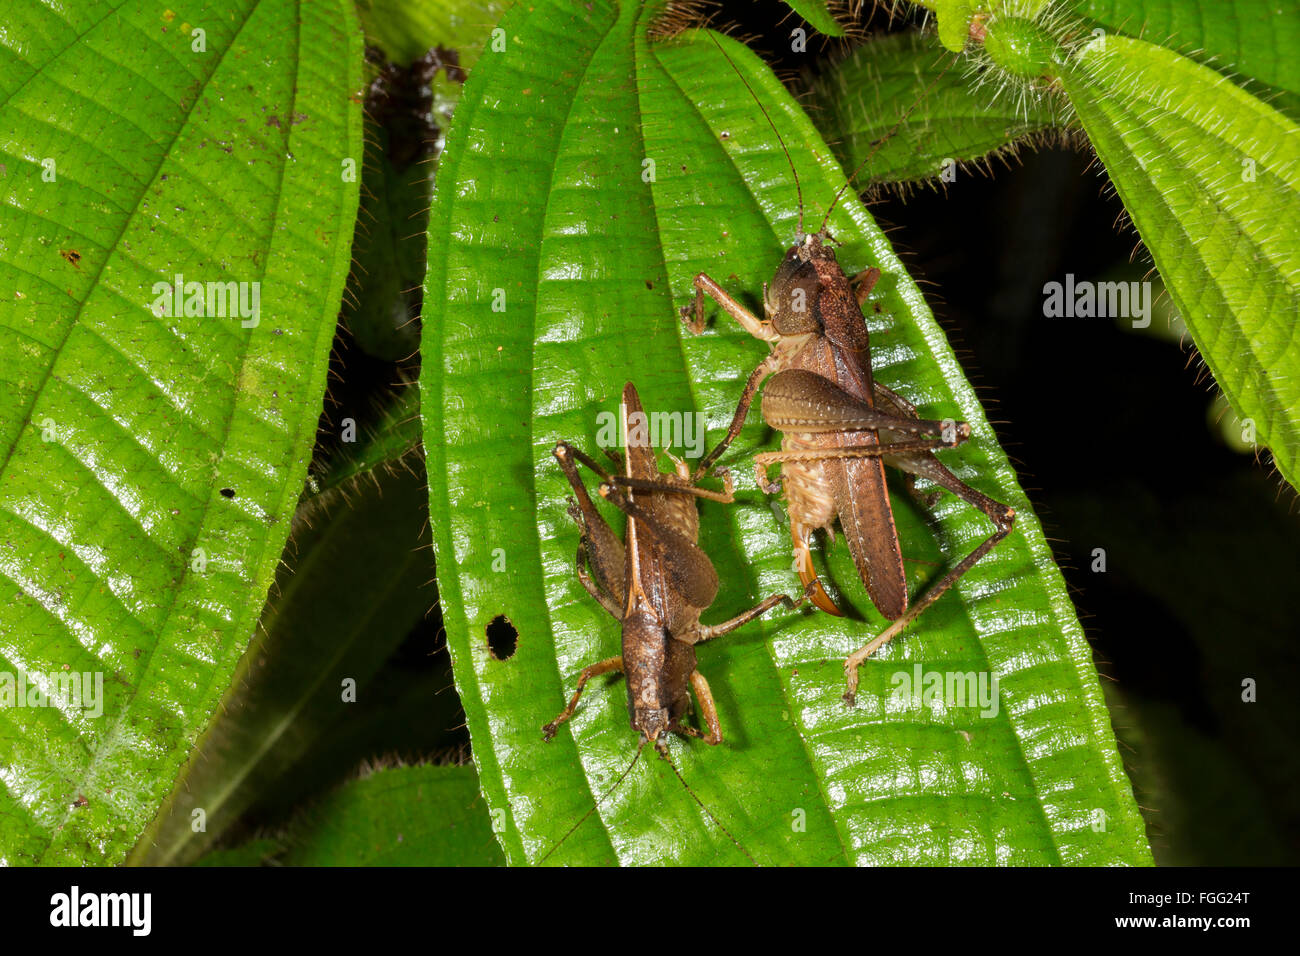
(228, 492)
(502, 638)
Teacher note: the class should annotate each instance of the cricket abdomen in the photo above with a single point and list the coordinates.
(658, 669)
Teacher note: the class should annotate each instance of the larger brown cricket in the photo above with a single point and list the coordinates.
(839, 426)
(656, 584)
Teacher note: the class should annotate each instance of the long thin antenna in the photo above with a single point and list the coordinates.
(663, 752)
(881, 142)
(596, 805)
(794, 172)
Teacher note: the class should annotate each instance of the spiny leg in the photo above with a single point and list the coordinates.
(595, 670)
(889, 400)
(605, 553)
(565, 451)
(758, 610)
(765, 368)
(727, 496)
(1002, 516)
(799, 400)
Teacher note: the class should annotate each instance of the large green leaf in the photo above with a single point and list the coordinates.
(899, 105)
(1211, 177)
(150, 463)
(401, 816)
(1248, 39)
(543, 211)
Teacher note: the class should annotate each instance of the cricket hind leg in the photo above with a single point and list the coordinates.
(604, 599)
(765, 460)
(1003, 518)
(594, 670)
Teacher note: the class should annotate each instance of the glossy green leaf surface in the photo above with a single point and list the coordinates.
(1211, 177)
(567, 257)
(902, 105)
(395, 816)
(151, 458)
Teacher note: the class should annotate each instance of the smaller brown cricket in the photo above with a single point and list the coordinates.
(656, 582)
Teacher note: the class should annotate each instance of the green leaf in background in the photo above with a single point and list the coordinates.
(1216, 202)
(589, 175)
(900, 100)
(382, 307)
(358, 576)
(150, 463)
(1247, 39)
(405, 29)
(397, 816)
(818, 16)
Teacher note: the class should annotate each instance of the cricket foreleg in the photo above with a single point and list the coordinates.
(758, 610)
(863, 284)
(1002, 517)
(595, 670)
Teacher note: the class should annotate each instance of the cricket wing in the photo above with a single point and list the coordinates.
(862, 502)
(690, 573)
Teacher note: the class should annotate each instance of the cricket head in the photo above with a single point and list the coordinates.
(652, 722)
(811, 295)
